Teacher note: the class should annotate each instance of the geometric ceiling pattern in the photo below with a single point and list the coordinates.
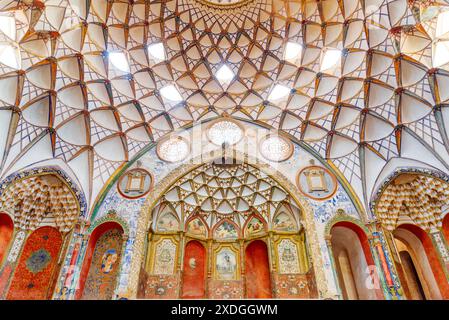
(232, 192)
(360, 82)
(41, 200)
(415, 199)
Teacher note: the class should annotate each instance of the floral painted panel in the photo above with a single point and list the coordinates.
(288, 257)
(164, 257)
(105, 266)
(37, 267)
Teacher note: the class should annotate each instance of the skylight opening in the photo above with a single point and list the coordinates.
(156, 51)
(331, 59)
(9, 56)
(119, 60)
(225, 75)
(170, 92)
(279, 91)
(173, 149)
(293, 52)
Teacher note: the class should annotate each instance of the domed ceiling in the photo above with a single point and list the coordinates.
(93, 82)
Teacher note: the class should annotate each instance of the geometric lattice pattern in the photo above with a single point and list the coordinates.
(233, 192)
(417, 199)
(366, 81)
(41, 200)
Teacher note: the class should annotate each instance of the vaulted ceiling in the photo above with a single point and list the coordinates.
(360, 82)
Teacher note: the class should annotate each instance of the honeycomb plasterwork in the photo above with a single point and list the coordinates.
(375, 101)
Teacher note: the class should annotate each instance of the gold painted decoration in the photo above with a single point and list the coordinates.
(135, 183)
(41, 198)
(413, 198)
(317, 182)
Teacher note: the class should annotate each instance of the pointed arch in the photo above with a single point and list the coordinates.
(102, 260)
(226, 229)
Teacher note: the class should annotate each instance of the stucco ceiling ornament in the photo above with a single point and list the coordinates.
(41, 200)
(413, 198)
(93, 82)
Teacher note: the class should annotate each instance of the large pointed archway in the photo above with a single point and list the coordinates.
(210, 228)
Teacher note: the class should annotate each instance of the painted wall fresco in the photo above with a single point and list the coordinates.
(167, 222)
(194, 271)
(105, 266)
(257, 271)
(284, 222)
(197, 228)
(226, 231)
(6, 231)
(226, 264)
(254, 227)
(129, 211)
(38, 266)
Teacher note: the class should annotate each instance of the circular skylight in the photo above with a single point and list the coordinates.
(173, 149)
(275, 148)
(225, 131)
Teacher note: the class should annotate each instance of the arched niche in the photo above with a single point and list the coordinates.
(6, 232)
(354, 262)
(421, 274)
(37, 270)
(257, 271)
(101, 266)
(194, 271)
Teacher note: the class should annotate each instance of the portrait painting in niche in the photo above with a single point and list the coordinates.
(226, 264)
(104, 269)
(108, 260)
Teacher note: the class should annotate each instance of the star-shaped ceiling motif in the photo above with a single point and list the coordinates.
(93, 82)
